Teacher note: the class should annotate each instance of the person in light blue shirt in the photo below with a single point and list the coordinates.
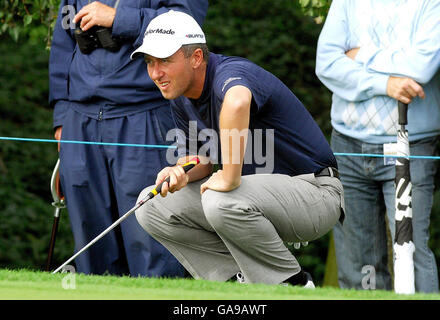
(372, 54)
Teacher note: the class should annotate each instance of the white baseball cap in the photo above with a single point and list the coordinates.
(167, 33)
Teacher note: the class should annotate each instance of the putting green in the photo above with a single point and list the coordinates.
(30, 285)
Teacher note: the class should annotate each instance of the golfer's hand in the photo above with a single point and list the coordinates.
(178, 179)
(218, 182)
(404, 89)
(95, 14)
(58, 132)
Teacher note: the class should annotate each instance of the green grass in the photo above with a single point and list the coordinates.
(30, 285)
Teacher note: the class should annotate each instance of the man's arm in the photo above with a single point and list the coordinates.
(234, 120)
(402, 89)
(343, 76)
(61, 53)
(420, 61)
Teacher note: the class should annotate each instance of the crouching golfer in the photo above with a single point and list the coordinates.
(236, 220)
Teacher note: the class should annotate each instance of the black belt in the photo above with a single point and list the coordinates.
(328, 172)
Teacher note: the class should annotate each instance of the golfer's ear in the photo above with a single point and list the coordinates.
(197, 58)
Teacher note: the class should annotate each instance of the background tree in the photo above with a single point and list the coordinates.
(30, 19)
(316, 8)
(35, 19)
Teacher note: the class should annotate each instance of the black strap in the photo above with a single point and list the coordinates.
(328, 172)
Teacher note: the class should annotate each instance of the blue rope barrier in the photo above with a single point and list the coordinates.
(90, 142)
(372, 155)
(174, 147)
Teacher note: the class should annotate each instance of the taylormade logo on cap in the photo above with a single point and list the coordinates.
(167, 33)
(160, 31)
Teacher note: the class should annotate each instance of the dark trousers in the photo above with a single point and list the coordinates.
(102, 182)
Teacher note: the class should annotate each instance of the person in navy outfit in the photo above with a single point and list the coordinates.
(100, 95)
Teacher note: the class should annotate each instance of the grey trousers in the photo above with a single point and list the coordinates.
(217, 234)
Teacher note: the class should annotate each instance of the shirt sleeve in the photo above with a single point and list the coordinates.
(418, 61)
(132, 22)
(343, 76)
(61, 53)
(247, 75)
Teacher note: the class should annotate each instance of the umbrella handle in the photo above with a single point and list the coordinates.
(55, 187)
(403, 113)
(58, 203)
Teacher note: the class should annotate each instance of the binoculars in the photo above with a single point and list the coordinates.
(96, 37)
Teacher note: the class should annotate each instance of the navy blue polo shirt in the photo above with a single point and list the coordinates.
(283, 131)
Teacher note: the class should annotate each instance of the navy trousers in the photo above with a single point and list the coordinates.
(102, 182)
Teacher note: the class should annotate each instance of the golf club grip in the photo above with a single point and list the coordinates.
(403, 113)
(186, 167)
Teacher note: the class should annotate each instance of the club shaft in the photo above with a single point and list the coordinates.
(125, 216)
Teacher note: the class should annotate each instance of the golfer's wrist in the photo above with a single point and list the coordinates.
(232, 176)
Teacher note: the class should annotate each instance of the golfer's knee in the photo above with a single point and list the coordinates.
(215, 207)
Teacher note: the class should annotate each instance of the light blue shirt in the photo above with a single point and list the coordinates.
(396, 38)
